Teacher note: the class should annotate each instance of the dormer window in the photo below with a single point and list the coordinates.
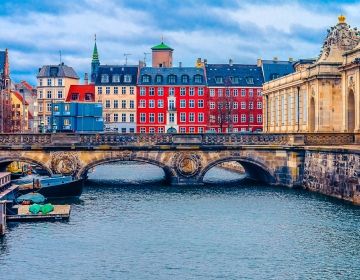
(184, 79)
(116, 78)
(172, 79)
(127, 79)
(250, 80)
(235, 80)
(88, 96)
(74, 96)
(145, 79)
(158, 79)
(219, 80)
(104, 78)
(198, 79)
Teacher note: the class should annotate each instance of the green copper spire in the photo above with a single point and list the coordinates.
(95, 56)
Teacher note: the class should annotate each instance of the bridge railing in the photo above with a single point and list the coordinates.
(141, 140)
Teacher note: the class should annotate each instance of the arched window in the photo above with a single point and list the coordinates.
(158, 79)
(198, 79)
(172, 79)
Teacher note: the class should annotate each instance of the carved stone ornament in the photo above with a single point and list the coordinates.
(187, 164)
(122, 155)
(66, 163)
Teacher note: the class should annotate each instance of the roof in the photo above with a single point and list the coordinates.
(27, 85)
(59, 71)
(273, 69)
(81, 90)
(2, 61)
(228, 73)
(165, 72)
(112, 70)
(19, 96)
(161, 47)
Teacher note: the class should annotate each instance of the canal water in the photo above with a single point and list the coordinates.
(128, 226)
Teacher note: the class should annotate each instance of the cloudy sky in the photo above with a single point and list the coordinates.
(34, 31)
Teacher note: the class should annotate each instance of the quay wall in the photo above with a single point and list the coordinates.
(333, 172)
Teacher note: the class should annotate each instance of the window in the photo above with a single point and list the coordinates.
(107, 103)
(201, 117)
(220, 92)
(151, 130)
(212, 118)
(212, 92)
(107, 90)
(201, 91)
(116, 90)
(243, 92)
(56, 108)
(107, 117)
(259, 93)
(251, 118)
(191, 103)
(127, 79)
(192, 117)
(249, 80)
(235, 118)
(40, 94)
(160, 91)
(160, 130)
(198, 79)
(152, 103)
(235, 105)
(184, 79)
(145, 79)
(182, 91)
(182, 103)
(200, 130)
(219, 80)
(123, 130)
(171, 117)
(131, 130)
(142, 103)
(99, 90)
(152, 117)
(151, 91)
(132, 119)
(142, 130)
(158, 79)
(259, 105)
(251, 92)
(67, 107)
(60, 82)
(227, 92)
(88, 97)
(40, 107)
(212, 105)
(171, 79)
(182, 130)
(142, 117)
(235, 80)
(66, 122)
(40, 82)
(74, 96)
(142, 91)
(104, 78)
(60, 94)
(123, 117)
(235, 92)
(123, 104)
(191, 91)
(251, 105)
(243, 105)
(48, 95)
(259, 118)
(116, 104)
(132, 90)
(160, 103)
(160, 117)
(171, 105)
(116, 117)
(171, 91)
(49, 82)
(201, 103)
(123, 90)
(243, 118)
(48, 107)
(191, 129)
(116, 78)
(132, 104)
(182, 117)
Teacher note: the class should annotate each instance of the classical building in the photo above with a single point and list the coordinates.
(53, 83)
(321, 95)
(235, 97)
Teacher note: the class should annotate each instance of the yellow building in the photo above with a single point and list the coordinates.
(313, 98)
(19, 113)
(53, 83)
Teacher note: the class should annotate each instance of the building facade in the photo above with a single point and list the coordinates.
(53, 83)
(28, 92)
(81, 93)
(19, 112)
(235, 97)
(172, 100)
(319, 96)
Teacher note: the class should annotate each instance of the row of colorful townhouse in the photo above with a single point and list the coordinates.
(163, 98)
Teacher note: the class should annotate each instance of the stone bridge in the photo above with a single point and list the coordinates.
(276, 159)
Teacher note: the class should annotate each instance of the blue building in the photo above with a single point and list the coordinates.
(77, 117)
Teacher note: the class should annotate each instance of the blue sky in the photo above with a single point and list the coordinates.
(34, 31)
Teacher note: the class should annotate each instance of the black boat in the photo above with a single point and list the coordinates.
(55, 187)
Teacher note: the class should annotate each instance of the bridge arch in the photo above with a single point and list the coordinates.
(4, 162)
(253, 169)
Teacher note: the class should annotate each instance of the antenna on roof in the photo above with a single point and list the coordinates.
(126, 57)
(162, 38)
(145, 54)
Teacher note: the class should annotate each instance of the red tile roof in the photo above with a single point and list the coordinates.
(27, 85)
(19, 96)
(81, 90)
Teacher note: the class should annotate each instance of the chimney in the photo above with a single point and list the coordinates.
(291, 59)
(230, 62)
(259, 62)
(180, 64)
(275, 58)
(86, 79)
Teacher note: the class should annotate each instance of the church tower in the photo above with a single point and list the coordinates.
(95, 63)
(162, 56)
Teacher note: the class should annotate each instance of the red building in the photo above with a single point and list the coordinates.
(171, 100)
(81, 93)
(235, 97)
